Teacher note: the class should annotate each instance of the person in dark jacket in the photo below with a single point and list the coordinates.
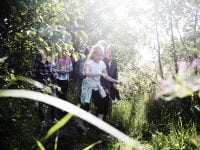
(41, 72)
(77, 74)
(112, 69)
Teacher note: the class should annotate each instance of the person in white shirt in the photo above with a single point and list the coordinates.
(94, 69)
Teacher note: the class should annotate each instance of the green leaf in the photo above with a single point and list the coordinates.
(19, 35)
(12, 76)
(41, 39)
(58, 125)
(67, 18)
(83, 35)
(92, 145)
(30, 32)
(56, 143)
(39, 144)
(48, 49)
(75, 57)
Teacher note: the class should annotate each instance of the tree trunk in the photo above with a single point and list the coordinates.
(156, 4)
(173, 45)
(159, 57)
(195, 27)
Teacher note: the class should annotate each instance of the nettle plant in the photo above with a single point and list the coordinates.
(185, 83)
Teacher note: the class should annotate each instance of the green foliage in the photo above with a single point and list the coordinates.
(52, 130)
(66, 106)
(92, 145)
(184, 83)
(18, 123)
(40, 145)
(23, 25)
(27, 27)
(140, 115)
(58, 125)
(177, 138)
(122, 115)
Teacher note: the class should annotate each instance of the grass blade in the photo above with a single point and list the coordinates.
(56, 143)
(39, 144)
(58, 125)
(92, 145)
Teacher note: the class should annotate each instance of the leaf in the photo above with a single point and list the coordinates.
(41, 39)
(92, 145)
(19, 35)
(46, 89)
(67, 36)
(67, 18)
(30, 33)
(83, 35)
(75, 57)
(39, 144)
(58, 47)
(48, 49)
(56, 143)
(82, 56)
(183, 91)
(2, 60)
(12, 76)
(58, 125)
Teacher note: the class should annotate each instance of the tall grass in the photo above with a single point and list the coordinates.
(153, 122)
(179, 138)
(121, 115)
(130, 115)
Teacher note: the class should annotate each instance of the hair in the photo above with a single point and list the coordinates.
(97, 48)
(62, 61)
(38, 57)
(103, 43)
(84, 47)
(111, 48)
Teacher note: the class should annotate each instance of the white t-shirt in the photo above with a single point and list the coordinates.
(96, 68)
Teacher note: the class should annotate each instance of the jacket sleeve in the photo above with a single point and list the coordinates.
(115, 74)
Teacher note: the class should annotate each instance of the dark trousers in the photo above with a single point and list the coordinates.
(41, 107)
(85, 106)
(63, 84)
(98, 102)
(64, 88)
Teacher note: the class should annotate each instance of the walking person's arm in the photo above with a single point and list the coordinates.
(105, 75)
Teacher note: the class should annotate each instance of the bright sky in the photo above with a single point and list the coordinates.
(121, 12)
(148, 55)
(138, 21)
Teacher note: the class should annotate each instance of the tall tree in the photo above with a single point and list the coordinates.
(156, 5)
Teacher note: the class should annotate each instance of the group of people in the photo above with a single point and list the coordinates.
(101, 74)
(49, 73)
(97, 76)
